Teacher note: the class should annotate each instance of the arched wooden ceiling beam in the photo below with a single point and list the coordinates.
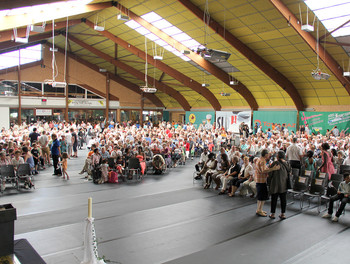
(258, 61)
(17, 21)
(129, 85)
(161, 86)
(208, 66)
(8, 35)
(197, 87)
(328, 60)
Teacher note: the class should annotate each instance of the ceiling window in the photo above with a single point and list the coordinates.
(332, 14)
(22, 56)
(169, 29)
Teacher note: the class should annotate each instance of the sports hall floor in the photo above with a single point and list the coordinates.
(167, 219)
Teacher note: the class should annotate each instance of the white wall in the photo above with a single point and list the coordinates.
(5, 117)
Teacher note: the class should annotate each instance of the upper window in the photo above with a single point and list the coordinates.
(334, 15)
(22, 56)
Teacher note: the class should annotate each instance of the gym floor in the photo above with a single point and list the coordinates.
(168, 219)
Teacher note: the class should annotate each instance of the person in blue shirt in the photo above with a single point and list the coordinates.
(55, 153)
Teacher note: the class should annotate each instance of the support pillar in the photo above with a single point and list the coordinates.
(107, 98)
(141, 110)
(19, 89)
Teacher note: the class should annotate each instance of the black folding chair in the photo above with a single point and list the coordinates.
(24, 174)
(134, 169)
(317, 190)
(8, 175)
(300, 186)
(332, 188)
(344, 168)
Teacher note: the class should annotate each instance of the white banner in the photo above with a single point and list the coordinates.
(43, 112)
(230, 120)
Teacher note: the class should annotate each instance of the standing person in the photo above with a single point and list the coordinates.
(327, 164)
(342, 195)
(74, 143)
(64, 164)
(69, 143)
(55, 153)
(44, 144)
(294, 154)
(261, 175)
(278, 185)
(81, 136)
(33, 136)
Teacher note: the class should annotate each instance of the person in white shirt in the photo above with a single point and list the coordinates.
(69, 143)
(294, 154)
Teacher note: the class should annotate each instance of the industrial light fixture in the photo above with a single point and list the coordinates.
(147, 89)
(319, 75)
(185, 52)
(100, 27)
(225, 94)
(38, 29)
(234, 82)
(306, 27)
(158, 57)
(102, 70)
(122, 17)
(19, 39)
(214, 55)
(346, 74)
(205, 84)
(59, 84)
(54, 49)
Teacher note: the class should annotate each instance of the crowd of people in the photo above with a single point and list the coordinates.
(242, 163)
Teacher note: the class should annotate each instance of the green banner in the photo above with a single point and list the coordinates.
(266, 118)
(201, 118)
(321, 121)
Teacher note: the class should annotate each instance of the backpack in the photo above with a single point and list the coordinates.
(113, 177)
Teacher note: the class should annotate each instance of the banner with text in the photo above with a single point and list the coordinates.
(266, 118)
(230, 120)
(197, 118)
(321, 121)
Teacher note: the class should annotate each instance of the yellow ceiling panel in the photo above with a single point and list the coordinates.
(329, 100)
(325, 92)
(241, 31)
(287, 32)
(307, 93)
(321, 84)
(342, 92)
(252, 19)
(311, 101)
(279, 102)
(264, 102)
(344, 100)
(250, 39)
(274, 34)
(278, 42)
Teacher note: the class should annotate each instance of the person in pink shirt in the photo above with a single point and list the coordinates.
(327, 164)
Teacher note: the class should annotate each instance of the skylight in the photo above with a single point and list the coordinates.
(43, 8)
(169, 29)
(332, 14)
(28, 55)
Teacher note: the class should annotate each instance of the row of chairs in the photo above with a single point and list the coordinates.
(313, 185)
(20, 178)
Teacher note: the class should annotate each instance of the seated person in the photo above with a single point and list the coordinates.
(211, 164)
(246, 172)
(342, 195)
(200, 165)
(158, 164)
(231, 174)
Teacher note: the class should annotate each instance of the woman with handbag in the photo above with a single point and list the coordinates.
(279, 185)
